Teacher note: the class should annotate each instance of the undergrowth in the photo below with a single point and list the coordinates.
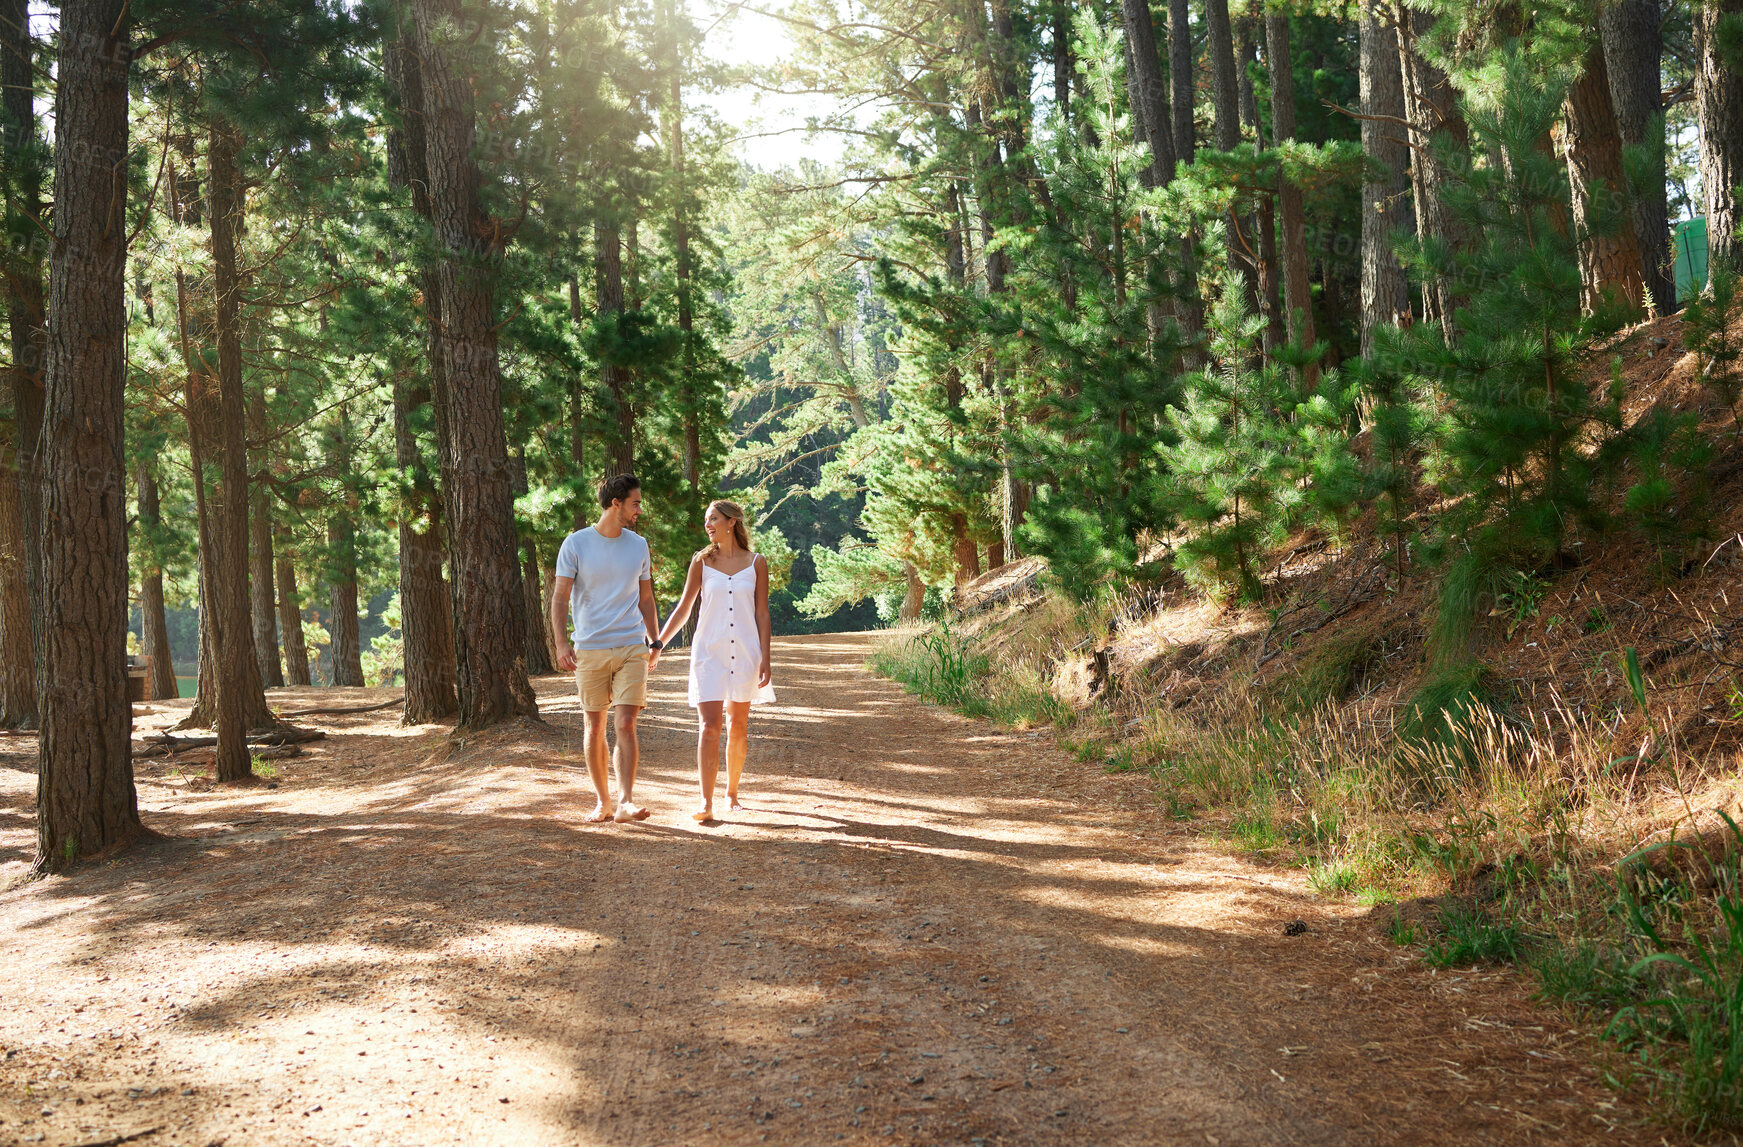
(1515, 819)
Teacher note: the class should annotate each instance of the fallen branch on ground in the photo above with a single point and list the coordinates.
(164, 745)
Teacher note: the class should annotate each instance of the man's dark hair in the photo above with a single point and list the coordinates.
(616, 489)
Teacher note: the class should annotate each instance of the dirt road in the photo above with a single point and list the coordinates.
(923, 931)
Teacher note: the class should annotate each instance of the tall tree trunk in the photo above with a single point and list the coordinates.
(990, 172)
(85, 798)
(28, 330)
(1260, 230)
(540, 662)
(1149, 91)
(608, 290)
(1610, 264)
(241, 700)
(347, 649)
(1180, 78)
(290, 619)
(17, 645)
(1431, 106)
(1297, 292)
(1226, 104)
(1063, 67)
(1224, 84)
(425, 625)
(263, 606)
(690, 397)
(490, 644)
(1385, 208)
(914, 599)
(1719, 107)
(1634, 56)
(426, 618)
(154, 625)
(1185, 150)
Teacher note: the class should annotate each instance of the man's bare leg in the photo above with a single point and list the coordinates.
(737, 749)
(595, 749)
(628, 757)
(707, 756)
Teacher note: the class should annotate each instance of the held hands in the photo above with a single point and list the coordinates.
(653, 656)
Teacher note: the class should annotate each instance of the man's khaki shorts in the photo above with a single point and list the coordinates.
(606, 678)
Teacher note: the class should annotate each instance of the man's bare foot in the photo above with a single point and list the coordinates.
(732, 802)
(627, 812)
(599, 815)
(704, 814)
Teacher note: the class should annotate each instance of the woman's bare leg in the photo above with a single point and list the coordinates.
(737, 748)
(707, 755)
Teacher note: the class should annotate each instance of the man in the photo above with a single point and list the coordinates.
(605, 581)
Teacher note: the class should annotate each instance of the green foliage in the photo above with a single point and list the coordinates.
(1230, 475)
(1443, 704)
(1709, 330)
(1471, 937)
(1698, 1004)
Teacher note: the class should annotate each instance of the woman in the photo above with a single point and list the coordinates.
(729, 658)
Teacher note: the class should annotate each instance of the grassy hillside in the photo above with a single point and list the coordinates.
(1560, 796)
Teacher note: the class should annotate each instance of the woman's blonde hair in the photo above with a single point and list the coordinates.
(733, 513)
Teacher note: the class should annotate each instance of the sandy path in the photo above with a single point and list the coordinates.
(923, 931)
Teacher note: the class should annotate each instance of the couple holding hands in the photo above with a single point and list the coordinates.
(605, 585)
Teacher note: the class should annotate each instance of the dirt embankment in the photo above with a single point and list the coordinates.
(922, 931)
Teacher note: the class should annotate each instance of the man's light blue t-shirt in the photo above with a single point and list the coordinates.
(605, 603)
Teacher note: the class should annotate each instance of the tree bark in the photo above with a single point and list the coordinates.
(1385, 209)
(241, 700)
(1224, 85)
(1297, 293)
(914, 598)
(1634, 55)
(1148, 91)
(1610, 264)
(540, 661)
(426, 629)
(347, 649)
(1062, 61)
(85, 797)
(290, 620)
(1719, 108)
(426, 622)
(1180, 78)
(489, 638)
(608, 291)
(17, 643)
(154, 626)
(540, 652)
(28, 331)
(263, 606)
(1431, 106)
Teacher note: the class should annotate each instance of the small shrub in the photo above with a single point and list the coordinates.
(1470, 937)
(1334, 878)
(1254, 832)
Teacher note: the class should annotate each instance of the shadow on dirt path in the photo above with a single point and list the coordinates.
(923, 930)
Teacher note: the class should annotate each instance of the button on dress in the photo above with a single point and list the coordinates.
(726, 656)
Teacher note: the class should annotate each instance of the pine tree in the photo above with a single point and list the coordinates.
(1230, 476)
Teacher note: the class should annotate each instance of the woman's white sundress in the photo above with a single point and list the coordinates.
(726, 656)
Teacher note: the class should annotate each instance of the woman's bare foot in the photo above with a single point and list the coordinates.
(704, 814)
(627, 812)
(599, 815)
(732, 802)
